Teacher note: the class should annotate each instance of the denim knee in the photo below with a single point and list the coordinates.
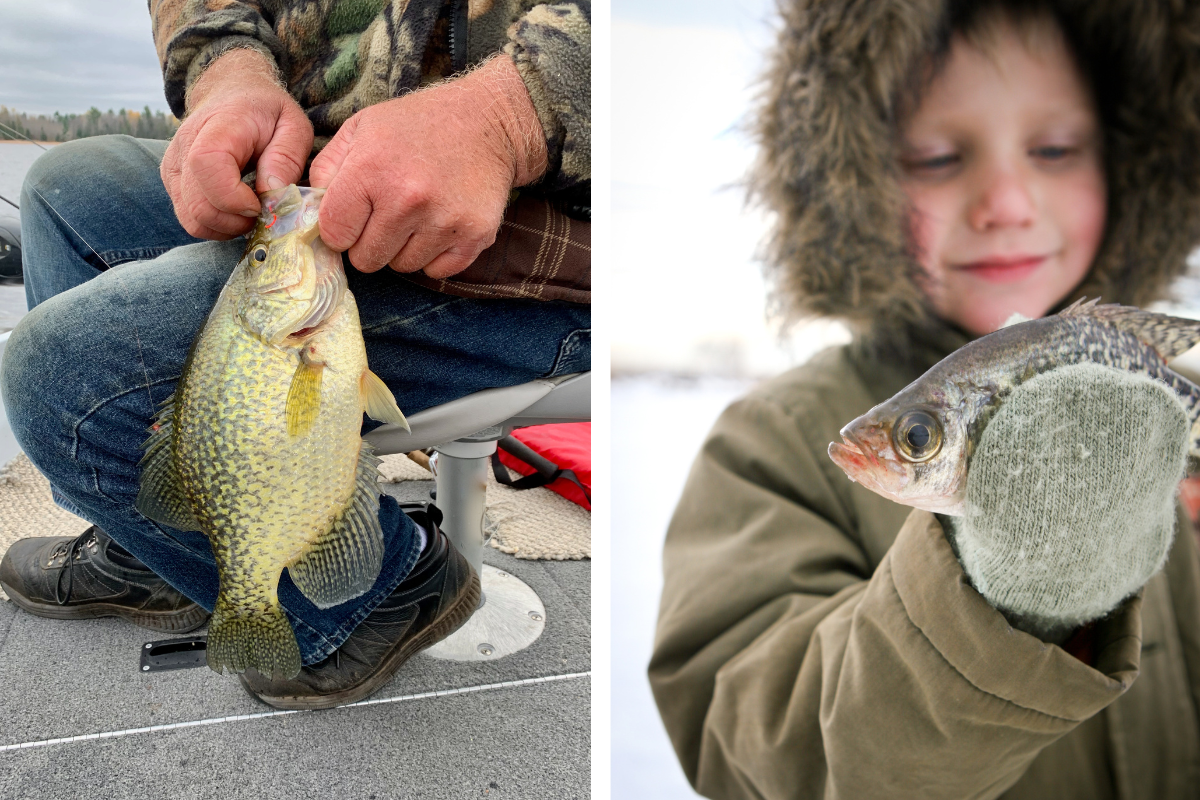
(29, 386)
(61, 167)
(80, 164)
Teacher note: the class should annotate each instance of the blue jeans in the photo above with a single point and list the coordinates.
(109, 329)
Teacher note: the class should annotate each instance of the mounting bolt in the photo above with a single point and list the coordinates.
(149, 645)
(486, 649)
(146, 668)
(535, 616)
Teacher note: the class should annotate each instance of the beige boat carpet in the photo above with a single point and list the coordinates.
(534, 524)
(531, 523)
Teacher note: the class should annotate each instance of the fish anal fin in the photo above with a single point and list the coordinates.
(345, 561)
(161, 496)
(304, 397)
(379, 401)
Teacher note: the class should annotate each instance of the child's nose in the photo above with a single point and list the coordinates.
(1004, 200)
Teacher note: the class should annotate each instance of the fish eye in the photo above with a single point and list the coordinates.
(917, 436)
(259, 253)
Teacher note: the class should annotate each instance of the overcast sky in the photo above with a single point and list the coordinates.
(69, 55)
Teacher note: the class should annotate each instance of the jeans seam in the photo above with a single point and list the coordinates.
(565, 350)
(88, 414)
(116, 257)
(75, 437)
(410, 319)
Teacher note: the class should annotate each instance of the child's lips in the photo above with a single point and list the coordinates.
(1003, 269)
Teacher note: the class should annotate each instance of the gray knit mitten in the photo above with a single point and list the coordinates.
(1070, 503)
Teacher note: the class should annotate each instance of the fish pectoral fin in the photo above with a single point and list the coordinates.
(379, 400)
(161, 496)
(345, 561)
(304, 397)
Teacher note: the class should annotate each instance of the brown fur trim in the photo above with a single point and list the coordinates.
(827, 167)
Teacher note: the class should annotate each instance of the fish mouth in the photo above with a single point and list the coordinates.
(851, 457)
(853, 452)
(850, 438)
(865, 464)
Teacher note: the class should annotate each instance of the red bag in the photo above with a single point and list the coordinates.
(558, 457)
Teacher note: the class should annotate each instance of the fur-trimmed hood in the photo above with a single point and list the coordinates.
(826, 128)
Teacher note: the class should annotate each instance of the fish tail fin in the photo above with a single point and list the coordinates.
(262, 638)
(1169, 336)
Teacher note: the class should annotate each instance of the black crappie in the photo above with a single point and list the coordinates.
(916, 447)
(260, 445)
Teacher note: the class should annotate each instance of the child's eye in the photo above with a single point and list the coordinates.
(1052, 153)
(933, 163)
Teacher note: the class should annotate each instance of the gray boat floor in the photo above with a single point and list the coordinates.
(517, 727)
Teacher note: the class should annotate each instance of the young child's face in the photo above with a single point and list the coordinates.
(1002, 166)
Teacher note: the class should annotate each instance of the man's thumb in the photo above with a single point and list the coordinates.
(283, 159)
(329, 161)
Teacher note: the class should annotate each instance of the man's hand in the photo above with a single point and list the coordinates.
(236, 112)
(421, 182)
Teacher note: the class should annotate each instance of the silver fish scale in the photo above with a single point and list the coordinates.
(1010, 356)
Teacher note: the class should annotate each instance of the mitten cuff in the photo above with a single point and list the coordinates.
(998, 659)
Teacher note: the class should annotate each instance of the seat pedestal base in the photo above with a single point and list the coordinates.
(510, 618)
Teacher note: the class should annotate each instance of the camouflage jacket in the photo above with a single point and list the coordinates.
(339, 56)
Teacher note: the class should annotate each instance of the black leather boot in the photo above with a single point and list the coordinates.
(89, 576)
(437, 597)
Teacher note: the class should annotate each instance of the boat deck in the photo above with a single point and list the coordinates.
(82, 720)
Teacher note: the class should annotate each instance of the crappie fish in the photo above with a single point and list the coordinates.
(260, 446)
(916, 447)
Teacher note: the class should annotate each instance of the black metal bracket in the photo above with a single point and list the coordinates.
(174, 654)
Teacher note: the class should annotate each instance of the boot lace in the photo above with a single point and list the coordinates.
(72, 551)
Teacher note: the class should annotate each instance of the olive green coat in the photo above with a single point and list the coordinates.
(817, 640)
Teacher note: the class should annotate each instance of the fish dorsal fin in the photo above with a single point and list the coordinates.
(1080, 307)
(161, 496)
(304, 398)
(1168, 336)
(379, 401)
(345, 561)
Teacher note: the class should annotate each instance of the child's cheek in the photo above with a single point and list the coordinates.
(1086, 212)
(923, 229)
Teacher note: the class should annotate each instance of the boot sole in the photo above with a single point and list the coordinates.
(451, 620)
(182, 621)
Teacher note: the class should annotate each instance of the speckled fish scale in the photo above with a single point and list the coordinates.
(948, 408)
(260, 446)
(1112, 335)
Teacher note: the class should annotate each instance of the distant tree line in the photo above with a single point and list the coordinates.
(143, 124)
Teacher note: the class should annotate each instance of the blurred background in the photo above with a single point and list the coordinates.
(689, 329)
(70, 69)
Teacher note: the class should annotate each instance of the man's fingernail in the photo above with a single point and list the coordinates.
(275, 182)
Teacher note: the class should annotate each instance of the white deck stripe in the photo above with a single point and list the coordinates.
(217, 720)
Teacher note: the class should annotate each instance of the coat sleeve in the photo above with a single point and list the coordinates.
(190, 35)
(787, 665)
(551, 47)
